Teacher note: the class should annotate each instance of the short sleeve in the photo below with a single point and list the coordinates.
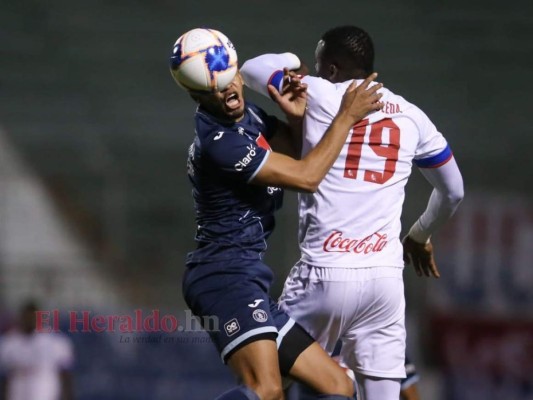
(235, 155)
(432, 150)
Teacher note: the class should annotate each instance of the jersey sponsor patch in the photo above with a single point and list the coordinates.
(232, 327)
(260, 315)
(336, 242)
(247, 159)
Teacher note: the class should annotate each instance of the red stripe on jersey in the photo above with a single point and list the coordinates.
(262, 142)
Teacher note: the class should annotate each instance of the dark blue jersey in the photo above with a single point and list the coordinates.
(234, 217)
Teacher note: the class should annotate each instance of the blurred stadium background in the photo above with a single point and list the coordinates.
(95, 206)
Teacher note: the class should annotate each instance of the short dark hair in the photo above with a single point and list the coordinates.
(350, 47)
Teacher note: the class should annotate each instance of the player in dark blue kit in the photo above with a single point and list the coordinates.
(237, 168)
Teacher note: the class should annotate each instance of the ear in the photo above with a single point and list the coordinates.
(333, 72)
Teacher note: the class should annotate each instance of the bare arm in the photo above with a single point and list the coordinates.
(447, 193)
(293, 102)
(307, 173)
(288, 139)
(263, 75)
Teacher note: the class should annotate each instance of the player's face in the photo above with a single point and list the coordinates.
(321, 66)
(227, 104)
(325, 68)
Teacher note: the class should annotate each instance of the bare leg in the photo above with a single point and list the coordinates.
(256, 365)
(317, 369)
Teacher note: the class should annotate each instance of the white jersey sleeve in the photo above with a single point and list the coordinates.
(448, 192)
(267, 69)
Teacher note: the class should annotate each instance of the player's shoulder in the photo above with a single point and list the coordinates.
(255, 115)
(397, 106)
(209, 128)
(205, 123)
(319, 85)
(323, 96)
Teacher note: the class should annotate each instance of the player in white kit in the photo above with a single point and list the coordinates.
(35, 365)
(348, 283)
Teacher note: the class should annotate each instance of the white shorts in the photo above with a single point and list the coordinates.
(363, 307)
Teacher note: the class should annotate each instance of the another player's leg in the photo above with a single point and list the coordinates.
(315, 368)
(245, 333)
(301, 358)
(374, 346)
(256, 365)
(377, 388)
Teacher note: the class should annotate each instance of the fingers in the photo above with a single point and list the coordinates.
(274, 94)
(433, 268)
(406, 258)
(375, 88)
(416, 264)
(352, 86)
(377, 105)
(368, 80)
(421, 257)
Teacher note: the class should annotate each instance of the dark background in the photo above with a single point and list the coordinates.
(87, 100)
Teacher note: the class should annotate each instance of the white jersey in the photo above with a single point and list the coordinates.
(33, 363)
(353, 220)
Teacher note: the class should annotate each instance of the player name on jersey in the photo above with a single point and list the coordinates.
(391, 108)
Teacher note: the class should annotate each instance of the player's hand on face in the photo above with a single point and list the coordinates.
(420, 255)
(293, 98)
(360, 100)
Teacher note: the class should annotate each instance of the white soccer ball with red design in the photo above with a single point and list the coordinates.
(203, 60)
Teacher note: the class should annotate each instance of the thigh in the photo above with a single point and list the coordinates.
(316, 305)
(374, 345)
(238, 311)
(370, 388)
(256, 365)
(315, 368)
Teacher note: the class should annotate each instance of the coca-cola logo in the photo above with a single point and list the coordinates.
(337, 243)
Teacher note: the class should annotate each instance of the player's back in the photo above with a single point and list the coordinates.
(353, 220)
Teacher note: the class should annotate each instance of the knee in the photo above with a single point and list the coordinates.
(272, 391)
(342, 385)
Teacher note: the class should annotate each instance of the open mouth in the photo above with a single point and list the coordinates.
(232, 101)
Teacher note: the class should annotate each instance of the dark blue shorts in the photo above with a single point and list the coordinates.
(236, 307)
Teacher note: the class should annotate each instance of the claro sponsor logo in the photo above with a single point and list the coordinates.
(337, 243)
(246, 159)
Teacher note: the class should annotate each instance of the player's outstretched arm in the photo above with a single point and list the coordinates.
(264, 70)
(307, 173)
(292, 101)
(447, 193)
(270, 75)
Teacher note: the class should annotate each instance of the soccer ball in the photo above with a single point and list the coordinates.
(203, 60)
